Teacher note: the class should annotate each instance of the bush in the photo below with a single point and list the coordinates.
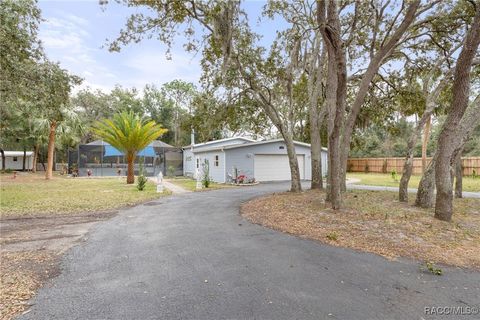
(170, 171)
(394, 175)
(333, 236)
(206, 174)
(142, 180)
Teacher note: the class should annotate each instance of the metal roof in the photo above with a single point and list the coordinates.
(155, 144)
(235, 146)
(200, 145)
(17, 153)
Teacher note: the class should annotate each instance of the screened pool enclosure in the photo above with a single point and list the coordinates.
(101, 159)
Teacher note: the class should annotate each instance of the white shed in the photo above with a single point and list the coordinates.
(14, 160)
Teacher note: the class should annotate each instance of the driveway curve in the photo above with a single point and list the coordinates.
(192, 256)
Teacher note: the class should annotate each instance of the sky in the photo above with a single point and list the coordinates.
(74, 34)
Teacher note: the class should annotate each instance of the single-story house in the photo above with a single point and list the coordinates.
(14, 160)
(261, 160)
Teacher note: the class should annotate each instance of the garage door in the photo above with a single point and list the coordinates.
(273, 167)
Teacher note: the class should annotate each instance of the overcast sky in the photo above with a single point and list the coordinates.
(74, 32)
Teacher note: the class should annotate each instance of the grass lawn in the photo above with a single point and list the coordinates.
(376, 222)
(31, 194)
(191, 184)
(385, 179)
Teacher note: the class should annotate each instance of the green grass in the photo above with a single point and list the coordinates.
(190, 184)
(385, 179)
(31, 194)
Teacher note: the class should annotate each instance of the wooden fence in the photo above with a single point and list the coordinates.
(387, 165)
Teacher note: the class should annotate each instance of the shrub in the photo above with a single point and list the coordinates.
(142, 180)
(171, 171)
(333, 236)
(394, 175)
(206, 174)
(430, 267)
(475, 175)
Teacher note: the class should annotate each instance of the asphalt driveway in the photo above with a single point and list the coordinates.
(192, 256)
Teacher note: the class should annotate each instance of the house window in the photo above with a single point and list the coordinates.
(281, 147)
(15, 158)
(217, 161)
(198, 163)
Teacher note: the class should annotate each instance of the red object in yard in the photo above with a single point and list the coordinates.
(89, 172)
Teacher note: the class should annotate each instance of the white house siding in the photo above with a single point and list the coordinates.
(217, 173)
(17, 165)
(189, 165)
(243, 158)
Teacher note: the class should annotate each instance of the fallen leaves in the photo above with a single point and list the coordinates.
(376, 222)
(21, 273)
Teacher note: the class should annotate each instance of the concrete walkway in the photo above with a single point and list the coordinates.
(192, 256)
(175, 189)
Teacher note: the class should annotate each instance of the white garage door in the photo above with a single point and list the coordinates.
(275, 167)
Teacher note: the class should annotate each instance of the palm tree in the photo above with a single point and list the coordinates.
(129, 133)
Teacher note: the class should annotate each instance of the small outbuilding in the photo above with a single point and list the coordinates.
(259, 160)
(14, 160)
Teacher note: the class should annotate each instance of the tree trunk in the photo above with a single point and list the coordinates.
(35, 158)
(458, 175)
(450, 136)
(296, 186)
(405, 179)
(24, 162)
(408, 165)
(316, 150)
(51, 149)
(2, 152)
(376, 62)
(426, 137)
(130, 167)
(336, 79)
(316, 63)
(426, 187)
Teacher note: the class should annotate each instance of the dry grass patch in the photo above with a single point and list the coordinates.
(21, 274)
(30, 194)
(375, 222)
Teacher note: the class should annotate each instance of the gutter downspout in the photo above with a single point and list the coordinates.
(224, 166)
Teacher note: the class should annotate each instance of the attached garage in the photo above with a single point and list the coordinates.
(275, 167)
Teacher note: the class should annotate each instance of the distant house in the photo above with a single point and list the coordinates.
(14, 160)
(261, 160)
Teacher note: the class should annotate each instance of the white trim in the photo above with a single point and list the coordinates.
(199, 145)
(17, 153)
(234, 146)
